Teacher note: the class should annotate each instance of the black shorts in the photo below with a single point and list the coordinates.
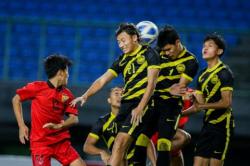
(124, 117)
(213, 141)
(165, 118)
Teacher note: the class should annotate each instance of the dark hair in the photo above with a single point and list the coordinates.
(54, 63)
(167, 35)
(129, 28)
(218, 39)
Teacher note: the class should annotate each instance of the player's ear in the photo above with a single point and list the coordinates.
(177, 42)
(109, 101)
(220, 51)
(135, 38)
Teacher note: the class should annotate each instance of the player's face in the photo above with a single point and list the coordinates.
(126, 42)
(171, 50)
(65, 77)
(210, 50)
(115, 97)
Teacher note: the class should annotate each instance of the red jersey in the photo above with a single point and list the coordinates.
(48, 104)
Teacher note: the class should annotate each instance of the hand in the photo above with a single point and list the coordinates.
(23, 134)
(81, 99)
(191, 110)
(177, 90)
(53, 126)
(136, 116)
(105, 156)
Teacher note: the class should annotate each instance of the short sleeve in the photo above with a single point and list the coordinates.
(116, 68)
(153, 58)
(198, 89)
(96, 130)
(226, 78)
(27, 92)
(191, 68)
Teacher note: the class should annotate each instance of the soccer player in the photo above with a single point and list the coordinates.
(105, 130)
(139, 66)
(178, 68)
(50, 101)
(214, 96)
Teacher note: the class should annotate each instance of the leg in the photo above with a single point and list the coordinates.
(78, 162)
(177, 159)
(216, 162)
(181, 139)
(201, 161)
(121, 144)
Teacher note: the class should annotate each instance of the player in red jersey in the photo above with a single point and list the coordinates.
(50, 100)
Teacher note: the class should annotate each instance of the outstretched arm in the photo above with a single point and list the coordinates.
(23, 129)
(90, 148)
(95, 87)
(70, 121)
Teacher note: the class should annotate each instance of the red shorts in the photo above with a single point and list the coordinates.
(62, 152)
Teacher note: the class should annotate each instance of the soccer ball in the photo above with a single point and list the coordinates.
(148, 31)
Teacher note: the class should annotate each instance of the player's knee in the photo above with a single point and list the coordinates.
(121, 142)
(163, 144)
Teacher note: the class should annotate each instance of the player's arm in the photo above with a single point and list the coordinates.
(151, 153)
(95, 87)
(152, 80)
(23, 129)
(225, 102)
(70, 121)
(91, 148)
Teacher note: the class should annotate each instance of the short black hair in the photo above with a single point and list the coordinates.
(54, 63)
(129, 28)
(218, 39)
(167, 35)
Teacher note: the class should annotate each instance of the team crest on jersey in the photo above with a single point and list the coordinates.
(140, 60)
(181, 68)
(214, 79)
(64, 98)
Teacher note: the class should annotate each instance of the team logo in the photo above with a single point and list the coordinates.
(214, 79)
(140, 60)
(181, 68)
(64, 98)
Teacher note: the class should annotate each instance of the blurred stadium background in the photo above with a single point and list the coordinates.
(84, 31)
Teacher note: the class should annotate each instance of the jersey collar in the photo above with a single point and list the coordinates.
(135, 51)
(53, 87)
(213, 68)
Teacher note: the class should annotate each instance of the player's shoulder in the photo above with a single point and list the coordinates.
(38, 84)
(225, 71)
(104, 117)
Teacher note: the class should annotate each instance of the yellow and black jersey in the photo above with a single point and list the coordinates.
(211, 82)
(134, 67)
(105, 129)
(185, 65)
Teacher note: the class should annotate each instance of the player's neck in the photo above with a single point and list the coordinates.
(114, 110)
(55, 82)
(212, 62)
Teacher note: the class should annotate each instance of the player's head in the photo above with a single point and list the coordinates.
(127, 37)
(169, 42)
(56, 65)
(213, 45)
(115, 96)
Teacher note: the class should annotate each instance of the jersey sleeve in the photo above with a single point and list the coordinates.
(27, 92)
(191, 68)
(96, 130)
(153, 58)
(227, 80)
(115, 68)
(198, 89)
